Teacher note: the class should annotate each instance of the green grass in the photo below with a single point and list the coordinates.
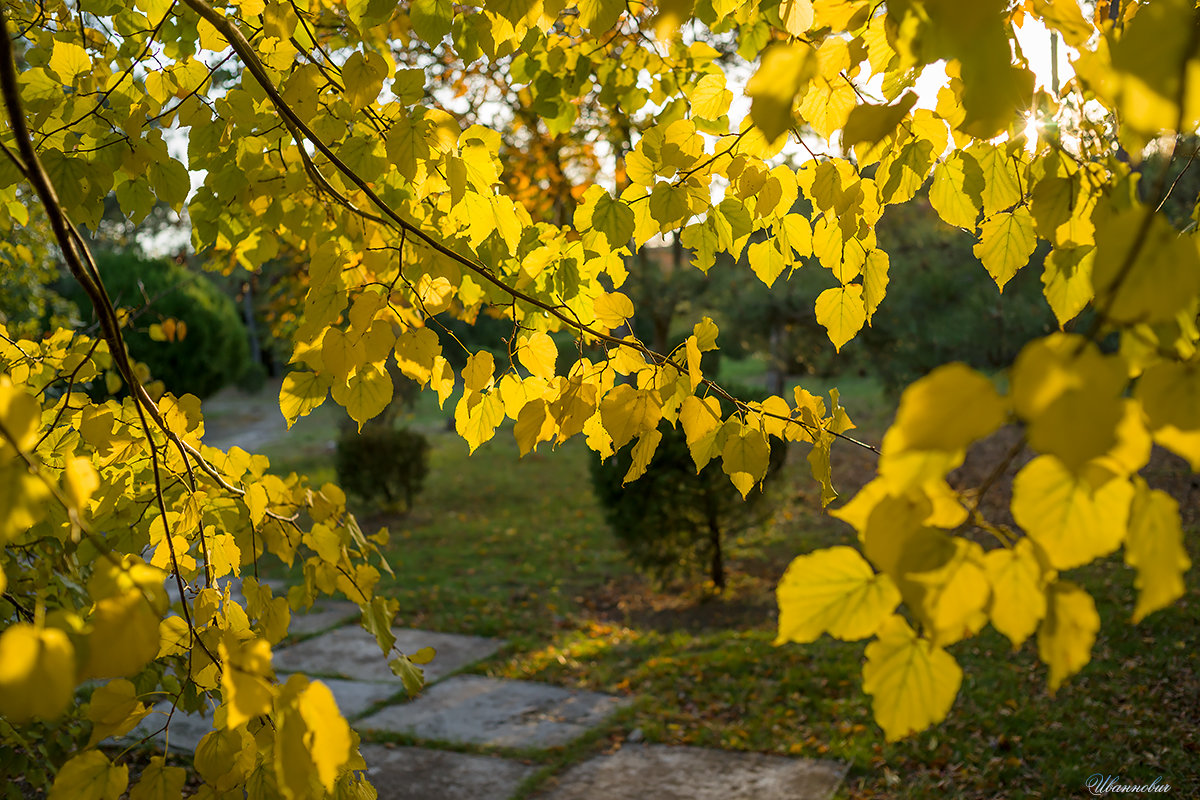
(510, 547)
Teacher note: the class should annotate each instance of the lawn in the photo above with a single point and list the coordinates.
(517, 548)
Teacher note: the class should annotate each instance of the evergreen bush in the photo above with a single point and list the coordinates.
(383, 464)
(672, 521)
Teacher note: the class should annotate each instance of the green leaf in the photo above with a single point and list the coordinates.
(159, 782)
(431, 19)
(363, 75)
(600, 212)
(598, 16)
(90, 776)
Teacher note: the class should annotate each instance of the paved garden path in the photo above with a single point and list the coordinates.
(459, 712)
(472, 711)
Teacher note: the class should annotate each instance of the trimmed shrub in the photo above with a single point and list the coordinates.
(383, 464)
(213, 352)
(672, 521)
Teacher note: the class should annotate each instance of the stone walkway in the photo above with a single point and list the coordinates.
(464, 711)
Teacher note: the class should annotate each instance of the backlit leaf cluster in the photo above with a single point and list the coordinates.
(313, 133)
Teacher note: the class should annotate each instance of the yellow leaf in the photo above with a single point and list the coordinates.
(911, 681)
(1154, 547)
(246, 679)
(710, 99)
(1000, 171)
(1006, 241)
(124, 636)
(701, 420)
(225, 756)
(1168, 391)
(125, 620)
(301, 392)
(875, 280)
(89, 776)
(692, 350)
(534, 425)
(538, 354)
(114, 710)
(69, 60)
(366, 394)
(339, 354)
(159, 782)
(416, 351)
(21, 415)
(1070, 394)
(956, 192)
(833, 591)
(1018, 591)
(642, 452)
(613, 310)
(1067, 633)
(328, 734)
(796, 15)
(745, 458)
(37, 672)
(841, 312)
(627, 412)
(1065, 17)
(23, 496)
(784, 71)
(705, 332)
(1067, 281)
(942, 579)
(442, 379)
(870, 124)
(174, 636)
(948, 409)
(1163, 277)
(766, 261)
(477, 416)
(477, 374)
(1073, 518)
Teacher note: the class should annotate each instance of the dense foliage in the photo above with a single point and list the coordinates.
(362, 141)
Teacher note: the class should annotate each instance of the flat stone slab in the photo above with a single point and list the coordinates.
(322, 616)
(636, 772)
(352, 652)
(414, 773)
(353, 698)
(472, 709)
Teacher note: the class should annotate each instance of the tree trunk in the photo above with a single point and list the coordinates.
(718, 564)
